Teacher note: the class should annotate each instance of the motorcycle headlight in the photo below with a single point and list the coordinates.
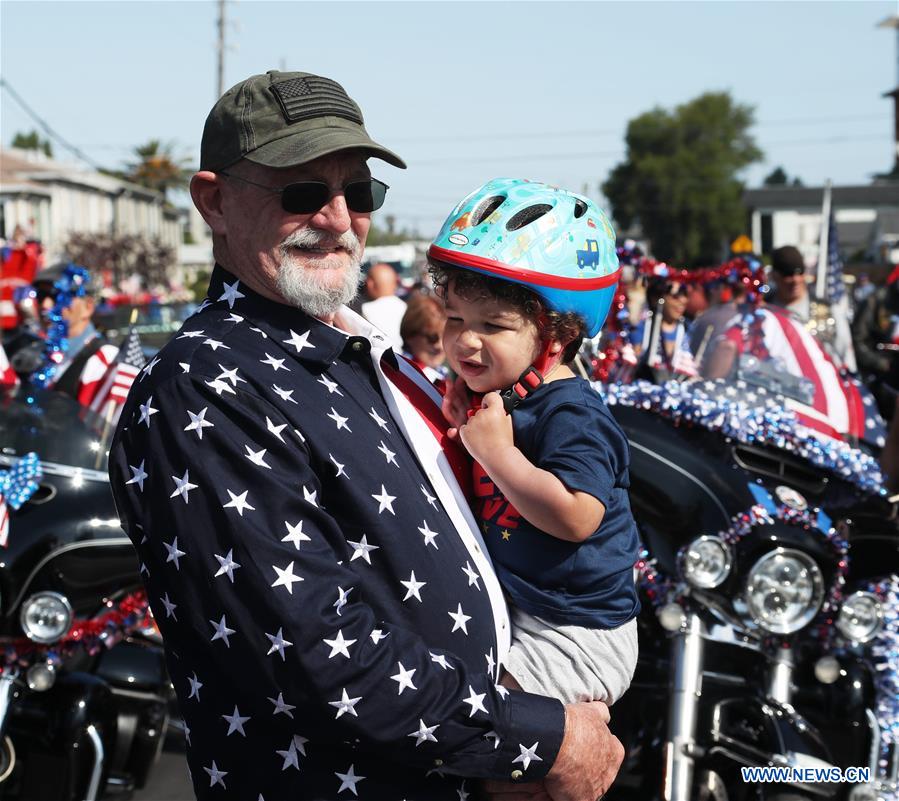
(861, 617)
(784, 590)
(706, 562)
(46, 617)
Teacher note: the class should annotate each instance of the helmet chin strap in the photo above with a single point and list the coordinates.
(528, 382)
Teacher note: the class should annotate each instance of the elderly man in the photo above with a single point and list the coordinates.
(332, 625)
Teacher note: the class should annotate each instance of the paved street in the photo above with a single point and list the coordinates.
(169, 780)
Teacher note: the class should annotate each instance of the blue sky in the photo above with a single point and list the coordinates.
(466, 91)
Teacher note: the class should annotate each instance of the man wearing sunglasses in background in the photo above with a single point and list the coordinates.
(332, 625)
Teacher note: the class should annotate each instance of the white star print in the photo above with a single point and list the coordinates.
(284, 394)
(342, 599)
(257, 457)
(377, 635)
(233, 318)
(149, 368)
(341, 421)
(173, 553)
(282, 708)
(185, 367)
(286, 577)
(404, 679)
(295, 534)
(310, 496)
(425, 733)
(378, 419)
(216, 776)
(491, 662)
(348, 780)
(230, 375)
(231, 293)
(276, 430)
(528, 755)
(198, 422)
(290, 757)
(238, 502)
(440, 659)
(275, 364)
(191, 334)
(222, 632)
(259, 331)
(501, 691)
(339, 466)
(460, 620)
(331, 385)
(492, 735)
(215, 344)
(278, 643)
(300, 743)
(228, 565)
(182, 486)
(346, 704)
(428, 534)
(385, 501)
(235, 722)
(339, 645)
(220, 386)
(472, 576)
(413, 587)
(388, 454)
(187, 733)
(299, 342)
(475, 701)
(195, 685)
(137, 475)
(430, 498)
(169, 607)
(362, 549)
(147, 411)
(462, 792)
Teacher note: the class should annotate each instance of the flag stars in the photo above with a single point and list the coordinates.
(222, 632)
(195, 687)
(428, 497)
(235, 722)
(345, 704)
(230, 375)
(198, 422)
(216, 776)
(330, 385)
(220, 386)
(299, 342)
(174, 554)
(425, 733)
(527, 755)
(342, 599)
(282, 708)
(377, 635)
(460, 620)
(149, 368)
(295, 534)
(276, 430)
(227, 565)
(339, 420)
(137, 475)
(404, 679)
(147, 411)
(310, 496)
(389, 455)
(339, 466)
(215, 344)
(257, 457)
(382, 423)
(440, 659)
(339, 645)
(473, 577)
(169, 607)
(238, 502)
(348, 781)
(361, 549)
(385, 501)
(475, 701)
(278, 642)
(429, 535)
(412, 586)
(275, 364)
(231, 294)
(289, 755)
(285, 394)
(286, 578)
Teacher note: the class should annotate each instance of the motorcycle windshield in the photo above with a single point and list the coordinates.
(56, 427)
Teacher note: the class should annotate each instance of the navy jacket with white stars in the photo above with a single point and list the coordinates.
(330, 631)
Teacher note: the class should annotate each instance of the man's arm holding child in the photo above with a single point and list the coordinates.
(543, 500)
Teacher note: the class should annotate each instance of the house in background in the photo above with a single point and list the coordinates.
(867, 219)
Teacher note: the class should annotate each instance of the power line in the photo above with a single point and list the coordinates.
(46, 127)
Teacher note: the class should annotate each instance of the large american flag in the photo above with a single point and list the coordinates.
(119, 377)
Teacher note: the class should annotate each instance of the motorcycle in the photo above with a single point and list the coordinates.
(769, 632)
(84, 694)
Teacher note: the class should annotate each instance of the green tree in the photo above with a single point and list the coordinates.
(32, 141)
(777, 177)
(157, 167)
(679, 179)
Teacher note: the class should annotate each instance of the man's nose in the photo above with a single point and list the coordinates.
(334, 216)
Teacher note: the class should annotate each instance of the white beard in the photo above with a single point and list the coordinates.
(308, 284)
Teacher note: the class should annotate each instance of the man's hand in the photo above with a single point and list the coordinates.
(589, 758)
(455, 406)
(488, 433)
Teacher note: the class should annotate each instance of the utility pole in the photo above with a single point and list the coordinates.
(893, 22)
(221, 50)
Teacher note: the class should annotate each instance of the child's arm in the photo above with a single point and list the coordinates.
(537, 494)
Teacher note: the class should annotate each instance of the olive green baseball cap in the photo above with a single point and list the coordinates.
(282, 119)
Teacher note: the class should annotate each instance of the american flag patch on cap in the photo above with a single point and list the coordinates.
(311, 97)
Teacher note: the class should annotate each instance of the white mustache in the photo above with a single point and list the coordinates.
(311, 238)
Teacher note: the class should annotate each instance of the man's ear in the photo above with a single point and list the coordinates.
(206, 193)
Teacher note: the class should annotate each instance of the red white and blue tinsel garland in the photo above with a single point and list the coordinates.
(17, 485)
(765, 421)
(120, 619)
(884, 652)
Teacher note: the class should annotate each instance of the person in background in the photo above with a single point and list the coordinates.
(670, 350)
(791, 294)
(724, 301)
(422, 333)
(385, 310)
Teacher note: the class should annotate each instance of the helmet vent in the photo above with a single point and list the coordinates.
(580, 208)
(485, 208)
(528, 215)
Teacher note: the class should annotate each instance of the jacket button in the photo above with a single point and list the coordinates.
(516, 775)
(357, 346)
(438, 762)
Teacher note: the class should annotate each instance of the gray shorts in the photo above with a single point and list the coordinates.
(572, 663)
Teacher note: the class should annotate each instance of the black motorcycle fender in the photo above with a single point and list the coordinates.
(761, 732)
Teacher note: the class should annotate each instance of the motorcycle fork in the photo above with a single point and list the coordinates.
(7, 687)
(687, 648)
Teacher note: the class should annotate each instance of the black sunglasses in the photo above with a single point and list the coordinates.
(306, 197)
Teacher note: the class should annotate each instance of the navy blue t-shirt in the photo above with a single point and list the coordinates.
(566, 429)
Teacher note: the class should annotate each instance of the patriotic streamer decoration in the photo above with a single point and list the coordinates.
(72, 284)
(17, 485)
(708, 405)
(120, 619)
(884, 656)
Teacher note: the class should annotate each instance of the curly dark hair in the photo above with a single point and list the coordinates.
(567, 327)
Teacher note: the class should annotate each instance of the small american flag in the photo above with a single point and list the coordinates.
(120, 376)
(836, 289)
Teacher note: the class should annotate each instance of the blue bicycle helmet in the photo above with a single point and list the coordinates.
(552, 241)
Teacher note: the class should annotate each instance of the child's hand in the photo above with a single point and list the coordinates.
(455, 406)
(489, 432)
